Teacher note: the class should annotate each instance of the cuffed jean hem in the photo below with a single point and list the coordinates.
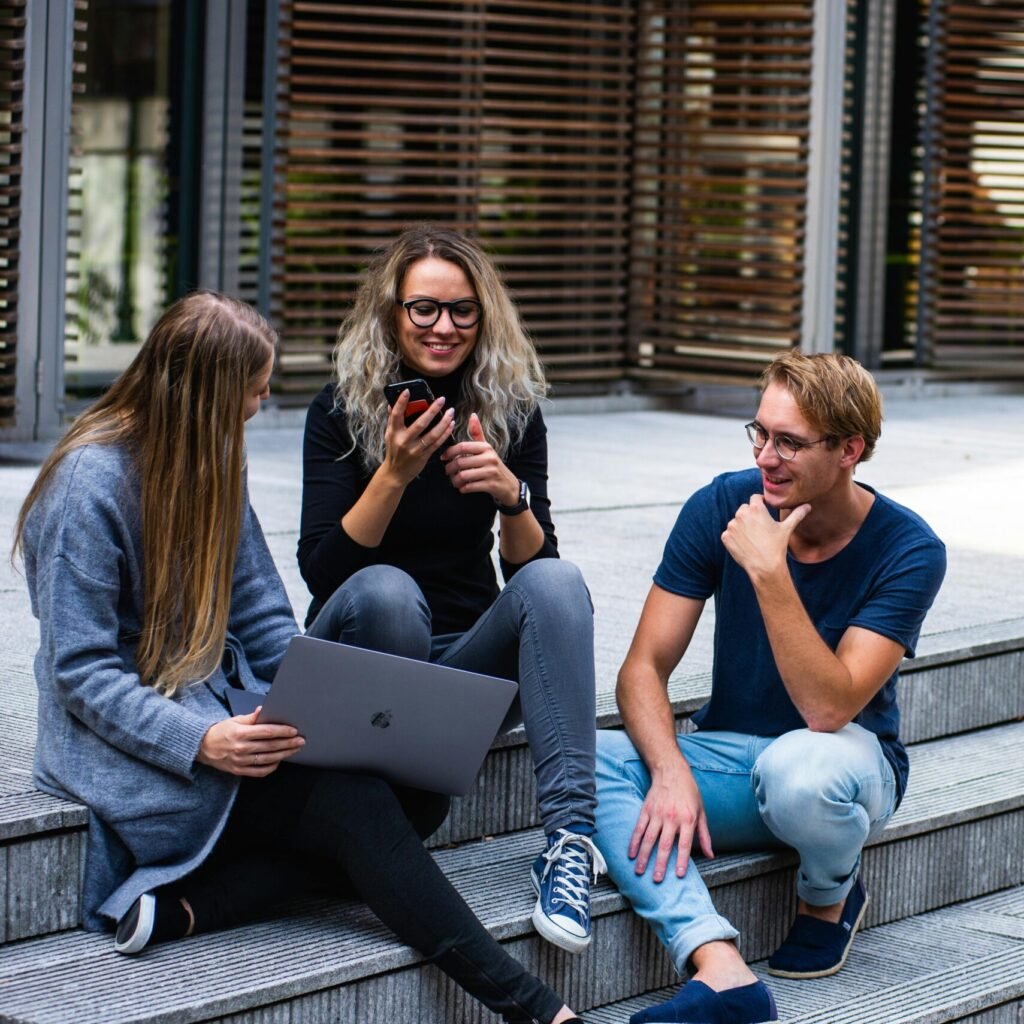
(698, 933)
(827, 897)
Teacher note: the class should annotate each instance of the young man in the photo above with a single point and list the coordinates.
(820, 586)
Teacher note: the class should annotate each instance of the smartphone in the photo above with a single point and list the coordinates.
(420, 396)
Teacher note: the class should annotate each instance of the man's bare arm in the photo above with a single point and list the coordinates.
(828, 689)
(672, 811)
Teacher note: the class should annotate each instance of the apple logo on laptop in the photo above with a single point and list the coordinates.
(381, 720)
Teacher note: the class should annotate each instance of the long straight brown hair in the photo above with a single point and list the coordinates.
(179, 409)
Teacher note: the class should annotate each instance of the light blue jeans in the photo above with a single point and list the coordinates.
(539, 632)
(824, 794)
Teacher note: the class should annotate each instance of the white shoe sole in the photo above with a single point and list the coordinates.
(555, 935)
(140, 935)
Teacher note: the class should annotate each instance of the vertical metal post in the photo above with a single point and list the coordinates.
(267, 158)
(184, 146)
(929, 160)
(223, 125)
(823, 184)
(872, 214)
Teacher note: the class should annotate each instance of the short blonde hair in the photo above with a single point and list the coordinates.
(833, 392)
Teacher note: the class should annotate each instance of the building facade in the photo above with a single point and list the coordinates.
(675, 190)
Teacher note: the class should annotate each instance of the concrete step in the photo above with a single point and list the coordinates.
(957, 836)
(964, 962)
(961, 680)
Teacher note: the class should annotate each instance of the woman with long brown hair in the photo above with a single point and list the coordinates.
(156, 593)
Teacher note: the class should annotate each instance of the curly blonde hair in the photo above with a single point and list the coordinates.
(504, 380)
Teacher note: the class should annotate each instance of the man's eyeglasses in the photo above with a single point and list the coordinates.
(786, 447)
(426, 312)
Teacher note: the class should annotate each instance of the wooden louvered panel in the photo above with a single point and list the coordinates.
(555, 166)
(505, 120)
(722, 111)
(974, 242)
(639, 169)
(12, 86)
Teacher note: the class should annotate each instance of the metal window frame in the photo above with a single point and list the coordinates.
(220, 186)
(869, 252)
(39, 390)
(823, 187)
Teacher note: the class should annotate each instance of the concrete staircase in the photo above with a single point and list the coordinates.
(946, 938)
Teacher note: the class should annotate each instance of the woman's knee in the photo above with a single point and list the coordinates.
(379, 607)
(554, 585)
(382, 589)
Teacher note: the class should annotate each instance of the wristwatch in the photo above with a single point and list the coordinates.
(520, 506)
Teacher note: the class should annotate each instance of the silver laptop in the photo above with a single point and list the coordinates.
(410, 722)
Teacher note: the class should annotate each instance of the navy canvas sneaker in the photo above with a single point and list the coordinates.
(816, 949)
(561, 877)
(695, 1003)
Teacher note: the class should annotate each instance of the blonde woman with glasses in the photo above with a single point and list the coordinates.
(399, 506)
(156, 593)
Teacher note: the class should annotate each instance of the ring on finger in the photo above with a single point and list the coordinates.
(423, 444)
(255, 760)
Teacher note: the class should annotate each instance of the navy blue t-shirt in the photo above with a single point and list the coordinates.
(884, 580)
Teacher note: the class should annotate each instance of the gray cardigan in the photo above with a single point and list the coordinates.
(104, 739)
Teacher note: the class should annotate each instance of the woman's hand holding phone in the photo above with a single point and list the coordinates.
(408, 446)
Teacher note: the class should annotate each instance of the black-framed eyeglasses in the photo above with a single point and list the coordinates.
(785, 446)
(426, 312)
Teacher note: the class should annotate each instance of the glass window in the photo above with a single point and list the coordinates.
(125, 201)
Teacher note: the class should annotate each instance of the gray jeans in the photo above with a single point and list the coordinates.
(539, 632)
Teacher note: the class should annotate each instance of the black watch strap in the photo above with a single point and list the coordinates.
(520, 506)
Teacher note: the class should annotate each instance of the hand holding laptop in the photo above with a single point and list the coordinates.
(244, 746)
(411, 722)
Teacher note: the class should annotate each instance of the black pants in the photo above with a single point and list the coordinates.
(303, 830)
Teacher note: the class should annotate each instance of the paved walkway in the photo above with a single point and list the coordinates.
(618, 479)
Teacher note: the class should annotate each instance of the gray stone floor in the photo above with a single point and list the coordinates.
(618, 479)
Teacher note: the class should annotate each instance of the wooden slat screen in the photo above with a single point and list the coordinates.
(508, 120)
(721, 144)
(640, 169)
(12, 85)
(973, 243)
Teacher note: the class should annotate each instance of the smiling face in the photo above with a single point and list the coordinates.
(813, 472)
(258, 390)
(440, 349)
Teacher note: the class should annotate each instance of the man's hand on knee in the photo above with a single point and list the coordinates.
(671, 816)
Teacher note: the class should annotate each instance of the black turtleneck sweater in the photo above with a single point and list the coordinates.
(441, 538)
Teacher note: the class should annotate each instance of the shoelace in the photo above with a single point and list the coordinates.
(571, 857)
